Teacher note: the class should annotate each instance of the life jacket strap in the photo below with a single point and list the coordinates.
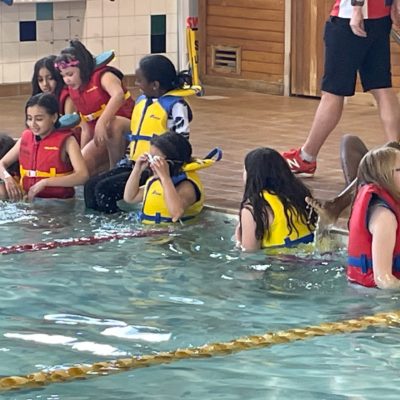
(95, 115)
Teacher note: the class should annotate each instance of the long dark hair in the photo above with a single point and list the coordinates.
(159, 68)
(267, 170)
(45, 100)
(48, 63)
(78, 52)
(176, 149)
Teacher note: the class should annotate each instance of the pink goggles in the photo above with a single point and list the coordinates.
(66, 64)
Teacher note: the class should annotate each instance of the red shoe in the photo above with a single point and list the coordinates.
(297, 165)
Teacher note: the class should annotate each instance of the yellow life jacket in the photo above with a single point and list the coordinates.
(150, 117)
(155, 210)
(279, 229)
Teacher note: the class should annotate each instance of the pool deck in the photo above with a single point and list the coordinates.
(239, 121)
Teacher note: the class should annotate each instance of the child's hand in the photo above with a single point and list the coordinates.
(160, 167)
(14, 190)
(36, 189)
(100, 134)
(142, 162)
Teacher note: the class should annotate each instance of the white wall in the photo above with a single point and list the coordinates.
(121, 25)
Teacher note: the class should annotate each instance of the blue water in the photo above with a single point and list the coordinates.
(143, 295)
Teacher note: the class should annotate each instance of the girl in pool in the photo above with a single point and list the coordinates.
(160, 108)
(51, 163)
(103, 102)
(374, 233)
(273, 212)
(170, 194)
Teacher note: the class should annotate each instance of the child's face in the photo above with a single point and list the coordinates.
(39, 121)
(46, 81)
(72, 77)
(146, 87)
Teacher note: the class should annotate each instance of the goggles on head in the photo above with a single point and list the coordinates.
(66, 64)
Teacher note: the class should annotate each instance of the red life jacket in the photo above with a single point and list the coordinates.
(359, 262)
(91, 99)
(41, 159)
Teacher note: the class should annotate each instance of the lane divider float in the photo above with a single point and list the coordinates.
(81, 241)
(105, 368)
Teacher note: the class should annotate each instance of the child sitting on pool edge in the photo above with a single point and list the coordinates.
(51, 163)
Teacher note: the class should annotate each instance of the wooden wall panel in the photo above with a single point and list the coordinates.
(307, 55)
(257, 27)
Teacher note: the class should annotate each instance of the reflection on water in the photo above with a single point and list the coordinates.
(15, 212)
(187, 288)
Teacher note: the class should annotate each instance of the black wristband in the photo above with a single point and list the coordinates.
(359, 3)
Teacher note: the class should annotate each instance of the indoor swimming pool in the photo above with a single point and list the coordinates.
(182, 289)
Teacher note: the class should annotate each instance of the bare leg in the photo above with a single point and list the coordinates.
(96, 158)
(116, 142)
(326, 118)
(389, 111)
(330, 210)
(352, 150)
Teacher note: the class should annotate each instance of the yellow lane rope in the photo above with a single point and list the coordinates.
(103, 368)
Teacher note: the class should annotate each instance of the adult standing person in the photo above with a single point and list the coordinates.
(357, 39)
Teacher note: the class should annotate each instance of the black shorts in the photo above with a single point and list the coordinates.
(346, 54)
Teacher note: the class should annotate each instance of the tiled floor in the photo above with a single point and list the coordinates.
(238, 121)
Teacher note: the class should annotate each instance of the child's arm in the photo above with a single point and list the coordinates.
(382, 226)
(249, 241)
(133, 193)
(179, 198)
(178, 120)
(113, 86)
(79, 175)
(69, 107)
(14, 190)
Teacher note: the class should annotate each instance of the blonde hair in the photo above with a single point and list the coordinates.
(377, 166)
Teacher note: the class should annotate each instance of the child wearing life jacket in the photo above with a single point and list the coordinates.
(102, 100)
(51, 163)
(374, 225)
(161, 107)
(170, 194)
(273, 212)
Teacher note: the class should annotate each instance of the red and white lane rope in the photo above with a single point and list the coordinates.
(81, 241)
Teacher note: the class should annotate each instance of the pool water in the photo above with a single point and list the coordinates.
(140, 296)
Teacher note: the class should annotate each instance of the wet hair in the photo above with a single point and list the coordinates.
(78, 52)
(6, 144)
(377, 167)
(267, 170)
(46, 101)
(48, 63)
(176, 149)
(159, 68)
